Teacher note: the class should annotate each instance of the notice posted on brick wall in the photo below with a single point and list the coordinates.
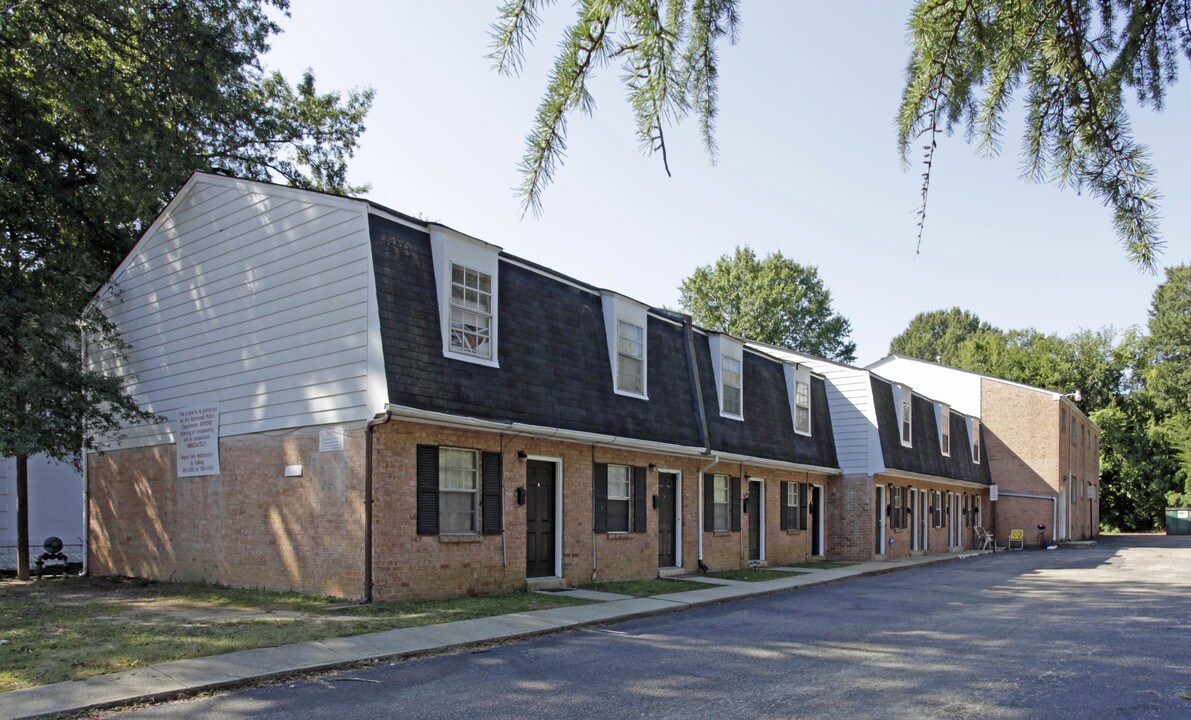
(198, 441)
(330, 440)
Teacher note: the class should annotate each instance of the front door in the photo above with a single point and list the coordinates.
(539, 519)
(756, 513)
(816, 516)
(667, 516)
(914, 519)
(925, 518)
(879, 514)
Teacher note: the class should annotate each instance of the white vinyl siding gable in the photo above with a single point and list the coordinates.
(255, 297)
(850, 403)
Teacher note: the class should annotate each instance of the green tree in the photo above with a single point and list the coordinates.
(1169, 378)
(1076, 59)
(937, 335)
(774, 300)
(1139, 466)
(106, 107)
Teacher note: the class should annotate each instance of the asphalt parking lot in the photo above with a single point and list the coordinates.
(1097, 632)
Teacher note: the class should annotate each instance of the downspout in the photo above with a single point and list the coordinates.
(692, 365)
(368, 432)
(1054, 509)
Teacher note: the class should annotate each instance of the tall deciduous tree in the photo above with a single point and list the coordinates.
(1169, 379)
(774, 300)
(1075, 59)
(106, 107)
(937, 335)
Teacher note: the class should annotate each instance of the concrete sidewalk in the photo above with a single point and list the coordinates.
(183, 677)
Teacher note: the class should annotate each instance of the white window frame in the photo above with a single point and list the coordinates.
(903, 396)
(725, 346)
(799, 376)
(465, 310)
(731, 393)
(626, 498)
(943, 417)
(443, 467)
(450, 249)
(618, 309)
(623, 340)
(716, 480)
(974, 439)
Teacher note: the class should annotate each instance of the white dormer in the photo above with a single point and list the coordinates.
(466, 273)
(727, 360)
(974, 438)
(943, 421)
(626, 324)
(903, 403)
(798, 390)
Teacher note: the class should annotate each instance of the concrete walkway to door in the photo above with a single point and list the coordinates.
(186, 677)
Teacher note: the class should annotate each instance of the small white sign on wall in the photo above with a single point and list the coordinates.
(992, 493)
(197, 434)
(330, 440)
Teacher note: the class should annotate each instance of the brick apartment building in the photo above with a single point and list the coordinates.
(1044, 453)
(914, 476)
(363, 404)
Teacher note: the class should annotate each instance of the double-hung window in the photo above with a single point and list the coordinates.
(945, 430)
(907, 417)
(471, 311)
(618, 498)
(720, 504)
(975, 441)
(458, 490)
(802, 407)
(630, 357)
(730, 370)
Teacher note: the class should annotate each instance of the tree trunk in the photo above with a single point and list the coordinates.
(22, 517)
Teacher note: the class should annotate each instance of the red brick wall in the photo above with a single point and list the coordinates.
(1030, 452)
(411, 566)
(249, 527)
(850, 519)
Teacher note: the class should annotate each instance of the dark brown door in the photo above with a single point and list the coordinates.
(814, 514)
(539, 519)
(667, 512)
(756, 500)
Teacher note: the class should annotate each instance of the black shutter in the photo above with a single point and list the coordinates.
(427, 493)
(638, 499)
(735, 483)
(802, 506)
(600, 484)
(785, 514)
(708, 503)
(493, 486)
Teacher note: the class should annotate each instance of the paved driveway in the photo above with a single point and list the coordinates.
(1103, 632)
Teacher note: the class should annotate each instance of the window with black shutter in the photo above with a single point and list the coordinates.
(803, 505)
(459, 491)
(639, 509)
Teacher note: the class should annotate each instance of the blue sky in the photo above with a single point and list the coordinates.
(808, 166)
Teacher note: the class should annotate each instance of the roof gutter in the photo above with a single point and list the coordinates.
(549, 433)
(909, 475)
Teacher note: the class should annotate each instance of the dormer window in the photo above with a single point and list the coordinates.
(798, 385)
(630, 360)
(974, 438)
(945, 429)
(727, 354)
(904, 402)
(802, 408)
(471, 311)
(626, 323)
(466, 276)
(730, 375)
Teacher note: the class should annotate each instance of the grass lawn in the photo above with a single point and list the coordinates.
(73, 628)
(820, 565)
(644, 588)
(752, 575)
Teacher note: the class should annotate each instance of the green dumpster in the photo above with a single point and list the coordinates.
(1178, 521)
